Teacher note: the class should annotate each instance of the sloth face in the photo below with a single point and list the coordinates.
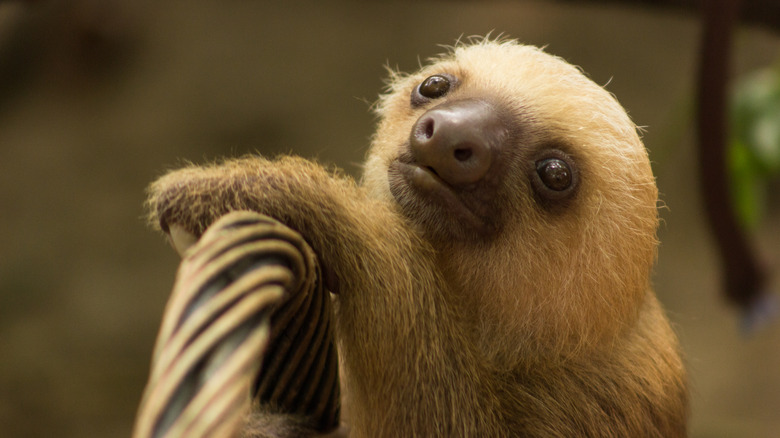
(462, 156)
(499, 138)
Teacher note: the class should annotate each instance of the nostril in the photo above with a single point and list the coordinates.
(463, 154)
(428, 128)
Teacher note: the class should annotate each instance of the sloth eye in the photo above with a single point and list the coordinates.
(433, 87)
(554, 177)
(555, 174)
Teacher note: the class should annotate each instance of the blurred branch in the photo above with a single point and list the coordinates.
(744, 275)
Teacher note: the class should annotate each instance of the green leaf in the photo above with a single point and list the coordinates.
(754, 152)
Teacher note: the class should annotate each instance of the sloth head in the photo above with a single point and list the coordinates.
(510, 160)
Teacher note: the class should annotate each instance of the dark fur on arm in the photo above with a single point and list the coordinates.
(195, 196)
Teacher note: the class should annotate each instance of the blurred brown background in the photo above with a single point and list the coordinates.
(99, 97)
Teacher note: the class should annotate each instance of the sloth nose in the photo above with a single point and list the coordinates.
(458, 140)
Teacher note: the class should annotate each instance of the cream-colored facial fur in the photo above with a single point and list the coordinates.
(601, 250)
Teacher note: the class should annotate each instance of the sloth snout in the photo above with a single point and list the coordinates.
(458, 140)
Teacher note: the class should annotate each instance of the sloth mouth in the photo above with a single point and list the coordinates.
(413, 186)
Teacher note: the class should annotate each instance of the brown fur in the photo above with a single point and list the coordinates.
(545, 327)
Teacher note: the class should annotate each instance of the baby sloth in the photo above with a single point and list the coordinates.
(491, 269)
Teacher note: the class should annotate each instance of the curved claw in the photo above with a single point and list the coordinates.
(180, 239)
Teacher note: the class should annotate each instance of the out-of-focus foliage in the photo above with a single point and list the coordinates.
(754, 155)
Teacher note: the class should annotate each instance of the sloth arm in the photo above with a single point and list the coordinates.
(392, 304)
(328, 209)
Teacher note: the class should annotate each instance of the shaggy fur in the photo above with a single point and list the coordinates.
(545, 327)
